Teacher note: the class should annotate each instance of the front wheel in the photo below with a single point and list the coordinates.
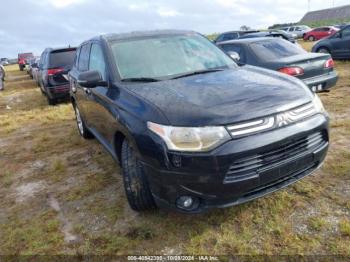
(135, 181)
(323, 50)
(83, 131)
(311, 38)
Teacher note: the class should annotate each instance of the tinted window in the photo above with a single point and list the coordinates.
(83, 63)
(235, 48)
(97, 61)
(230, 36)
(346, 32)
(62, 58)
(167, 56)
(276, 49)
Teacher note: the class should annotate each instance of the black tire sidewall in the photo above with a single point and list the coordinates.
(135, 180)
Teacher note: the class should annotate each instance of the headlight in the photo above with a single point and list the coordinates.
(190, 139)
(318, 104)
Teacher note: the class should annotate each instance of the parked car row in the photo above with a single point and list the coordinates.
(233, 35)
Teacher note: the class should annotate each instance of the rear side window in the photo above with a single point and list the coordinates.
(278, 48)
(62, 58)
(83, 64)
(235, 48)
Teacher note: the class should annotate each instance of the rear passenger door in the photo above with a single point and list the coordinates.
(81, 93)
(101, 109)
(341, 44)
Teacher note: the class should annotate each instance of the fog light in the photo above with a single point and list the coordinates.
(177, 160)
(184, 202)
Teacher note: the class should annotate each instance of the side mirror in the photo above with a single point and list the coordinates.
(91, 79)
(234, 55)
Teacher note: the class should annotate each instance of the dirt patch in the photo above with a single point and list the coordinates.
(27, 191)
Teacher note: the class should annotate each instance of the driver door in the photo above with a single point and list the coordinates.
(341, 44)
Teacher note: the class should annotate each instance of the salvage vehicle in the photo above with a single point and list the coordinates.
(231, 35)
(320, 32)
(190, 128)
(315, 70)
(298, 30)
(275, 34)
(338, 45)
(53, 73)
(22, 59)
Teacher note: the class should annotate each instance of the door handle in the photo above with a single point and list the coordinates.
(87, 91)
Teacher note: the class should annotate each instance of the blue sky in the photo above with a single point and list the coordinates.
(32, 25)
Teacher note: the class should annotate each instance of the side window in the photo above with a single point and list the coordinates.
(219, 39)
(292, 29)
(235, 48)
(346, 32)
(97, 61)
(83, 64)
(230, 36)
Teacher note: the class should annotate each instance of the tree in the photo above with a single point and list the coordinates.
(245, 28)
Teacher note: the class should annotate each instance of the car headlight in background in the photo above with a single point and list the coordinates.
(190, 139)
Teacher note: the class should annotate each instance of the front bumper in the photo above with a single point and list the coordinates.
(323, 82)
(243, 169)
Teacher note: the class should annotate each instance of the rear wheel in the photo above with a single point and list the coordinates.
(83, 131)
(135, 181)
(311, 38)
(51, 101)
(323, 50)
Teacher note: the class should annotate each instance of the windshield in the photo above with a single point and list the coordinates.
(62, 58)
(278, 48)
(167, 56)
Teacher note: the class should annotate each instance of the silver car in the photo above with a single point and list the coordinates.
(298, 31)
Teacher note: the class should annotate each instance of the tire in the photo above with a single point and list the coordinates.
(323, 50)
(51, 101)
(135, 181)
(83, 131)
(311, 38)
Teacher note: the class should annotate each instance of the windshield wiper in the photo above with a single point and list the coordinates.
(205, 71)
(140, 79)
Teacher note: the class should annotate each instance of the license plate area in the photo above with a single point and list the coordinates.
(286, 170)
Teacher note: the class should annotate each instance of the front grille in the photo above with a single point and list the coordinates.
(279, 120)
(247, 167)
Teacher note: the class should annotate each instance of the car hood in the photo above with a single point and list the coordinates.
(223, 97)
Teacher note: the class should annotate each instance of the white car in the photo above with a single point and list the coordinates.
(298, 30)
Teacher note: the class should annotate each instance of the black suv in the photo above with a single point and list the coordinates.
(53, 73)
(191, 129)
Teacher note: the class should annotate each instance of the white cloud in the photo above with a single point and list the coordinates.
(65, 3)
(167, 12)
